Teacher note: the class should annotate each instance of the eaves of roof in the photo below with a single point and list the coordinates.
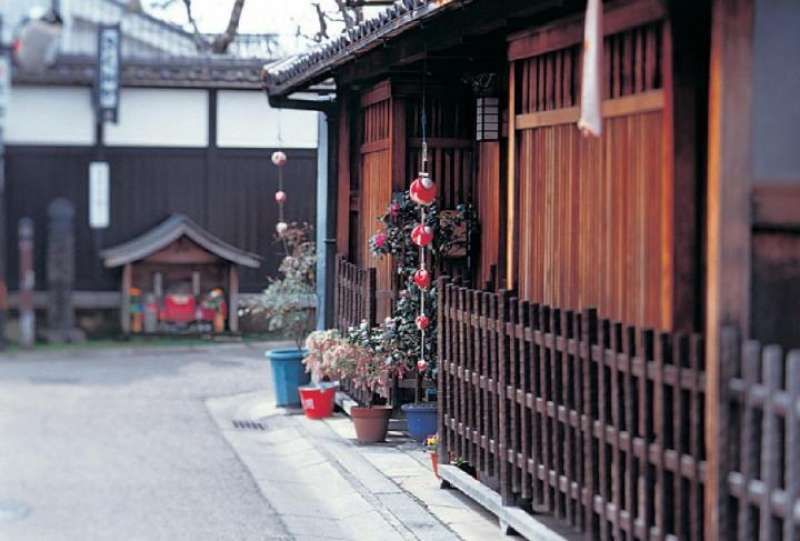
(294, 73)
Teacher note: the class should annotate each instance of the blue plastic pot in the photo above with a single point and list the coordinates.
(288, 373)
(422, 420)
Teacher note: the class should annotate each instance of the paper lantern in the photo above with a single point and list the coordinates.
(281, 228)
(280, 197)
(422, 190)
(422, 235)
(422, 365)
(423, 322)
(422, 278)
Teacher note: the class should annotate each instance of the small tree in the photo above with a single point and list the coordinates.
(289, 302)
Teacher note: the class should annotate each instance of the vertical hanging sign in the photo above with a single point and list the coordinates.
(99, 195)
(109, 43)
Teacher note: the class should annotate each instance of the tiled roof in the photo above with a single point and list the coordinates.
(288, 75)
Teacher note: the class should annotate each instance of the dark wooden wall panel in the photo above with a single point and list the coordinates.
(230, 192)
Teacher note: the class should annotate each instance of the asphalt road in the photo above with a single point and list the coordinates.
(119, 445)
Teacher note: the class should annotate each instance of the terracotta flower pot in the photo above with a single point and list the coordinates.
(435, 463)
(371, 423)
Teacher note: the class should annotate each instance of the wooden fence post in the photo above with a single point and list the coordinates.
(502, 391)
(441, 384)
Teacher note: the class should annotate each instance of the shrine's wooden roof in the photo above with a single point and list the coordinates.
(167, 232)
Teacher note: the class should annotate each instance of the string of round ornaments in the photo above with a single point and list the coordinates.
(422, 192)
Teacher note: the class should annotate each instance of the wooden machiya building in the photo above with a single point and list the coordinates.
(193, 137)
(601, 364)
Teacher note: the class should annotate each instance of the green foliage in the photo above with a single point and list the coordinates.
(400, 337)
(289, 302)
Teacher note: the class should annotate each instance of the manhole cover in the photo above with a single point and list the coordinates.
(11, 510)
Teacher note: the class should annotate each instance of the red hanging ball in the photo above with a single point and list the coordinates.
(423, 322)
(280, 197)
(422, 278)
(421, 235)
(422, 365)
(422, 190)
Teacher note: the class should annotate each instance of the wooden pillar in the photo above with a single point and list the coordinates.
(511, 190)
(728, 230)
(125, 305)
(343, 177)
(233, 308)
(685, 76)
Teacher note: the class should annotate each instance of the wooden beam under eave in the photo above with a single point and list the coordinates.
(728, 231)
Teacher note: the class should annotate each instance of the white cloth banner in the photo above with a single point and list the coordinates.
(591, 120)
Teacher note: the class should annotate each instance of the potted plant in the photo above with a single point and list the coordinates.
(432, 445)
(321, 363)
(452, 234)
(289, 305)
(215, 304)
(364, 360)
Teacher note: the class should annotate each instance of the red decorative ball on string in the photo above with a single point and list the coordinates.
(422, 365)
(280, 197)
(279, 158)
(422, 278)
(421, 235)
(422, 190)
(423, 322)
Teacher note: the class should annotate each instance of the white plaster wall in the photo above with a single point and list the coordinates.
(39, 115)
(245, 120)
(161, 118)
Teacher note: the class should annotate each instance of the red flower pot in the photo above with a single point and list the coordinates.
(317, 403)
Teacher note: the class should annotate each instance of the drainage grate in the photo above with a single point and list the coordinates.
(248, 425)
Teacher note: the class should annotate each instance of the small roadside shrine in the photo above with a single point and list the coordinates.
(177, 277)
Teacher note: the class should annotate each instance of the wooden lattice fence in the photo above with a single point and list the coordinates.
(354, 303)
(593, 422)
(763, 443)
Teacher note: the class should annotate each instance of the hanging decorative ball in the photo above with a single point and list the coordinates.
(423, 322)
(422, 278)
(280, 197)
(422, 190)
(421, 235)
(281, 228)
(279, 158)
(422, 365)
(379, 239)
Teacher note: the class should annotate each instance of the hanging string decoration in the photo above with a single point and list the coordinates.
(279, 160)
(422, 192)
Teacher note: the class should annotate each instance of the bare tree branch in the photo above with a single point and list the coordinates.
(223, 41)
(323, 24)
